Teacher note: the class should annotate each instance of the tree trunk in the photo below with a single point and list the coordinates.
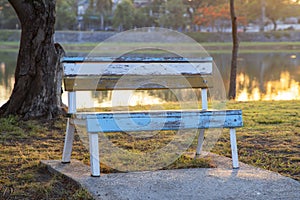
(36, 93)
(274, 24)
(101, 21)
(232, 86)
(263, 16)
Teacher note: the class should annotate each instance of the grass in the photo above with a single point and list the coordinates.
(212, 47)
(270, 139)
(24, 143)
(22, 146)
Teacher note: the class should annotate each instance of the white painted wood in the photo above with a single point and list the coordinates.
(234, 150)
(141, 68)
(94, 154)
(204, 98)
(69, 137)
(134, 59)
(160, 120)
(71, 102)
(200, 142)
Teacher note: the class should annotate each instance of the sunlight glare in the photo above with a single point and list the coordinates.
(285, 88)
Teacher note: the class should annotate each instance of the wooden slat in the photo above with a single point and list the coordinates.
(136, 82)
(134, 68)
(134, 59)
(161, 120)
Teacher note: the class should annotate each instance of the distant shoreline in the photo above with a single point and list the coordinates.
(219, 43)
(211, 47)
(200, 37)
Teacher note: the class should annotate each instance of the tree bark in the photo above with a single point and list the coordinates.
(102, 21)
(235, 40)
(263, 16)
(274, 24)
(35, 93)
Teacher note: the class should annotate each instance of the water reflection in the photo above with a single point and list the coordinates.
(285, 88)
(130, 98)
(6, 83)
(269, 76)
(264, 76)
(114, 98)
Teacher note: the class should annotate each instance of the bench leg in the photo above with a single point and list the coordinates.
(200, 142)
(66, 157)
(234, 151)
(94, 154)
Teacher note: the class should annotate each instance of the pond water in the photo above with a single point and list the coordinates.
(261, 76)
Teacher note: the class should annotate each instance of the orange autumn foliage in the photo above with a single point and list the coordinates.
(208, 15)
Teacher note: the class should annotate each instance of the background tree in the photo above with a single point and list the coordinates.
(37, 89)
(215, 16)
(155, 8)
(191, 8)
(123, 18)
(66, 14)
(8, 19)
(246, 11)
(235, 41)
(143, 17)
(279, 10)
(172, 14)
(263, 10)
(104, 7)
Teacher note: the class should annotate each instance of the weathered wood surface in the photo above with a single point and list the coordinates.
(82, 74)
(160, 120)
(138, 82)
(135, 68)
(134, 59)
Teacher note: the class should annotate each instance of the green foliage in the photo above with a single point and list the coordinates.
(173, 14)
(278, 10)
(274, 10)
(10, 35)
(103, 6)
(66, 13)
(142, 17)
(124, 15)
(8, 17)
(155, 6)
(247, 12)
(98, 13)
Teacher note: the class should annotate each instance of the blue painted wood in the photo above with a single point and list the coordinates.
(161, 120)
(134, 59)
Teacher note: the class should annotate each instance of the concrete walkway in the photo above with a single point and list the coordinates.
(190, 184)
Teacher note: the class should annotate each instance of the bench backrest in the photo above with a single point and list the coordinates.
(131, 73)
(127, 73)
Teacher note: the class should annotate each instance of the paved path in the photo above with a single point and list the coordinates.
(191, 184)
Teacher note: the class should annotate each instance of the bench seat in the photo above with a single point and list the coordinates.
(160, 120)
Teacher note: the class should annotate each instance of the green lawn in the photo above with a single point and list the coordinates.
(270, 139)
(214, 47)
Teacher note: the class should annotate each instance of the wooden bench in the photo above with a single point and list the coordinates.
(102, 73)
